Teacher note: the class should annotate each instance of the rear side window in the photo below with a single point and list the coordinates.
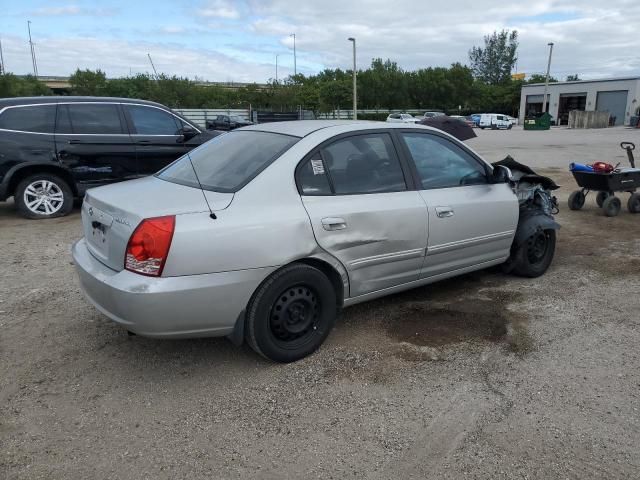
(228, 162)
(364, 164)
(312, 177)
(36, 118)
(152, 121)
(90, 119)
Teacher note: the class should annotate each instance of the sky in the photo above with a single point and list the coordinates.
(238, 40)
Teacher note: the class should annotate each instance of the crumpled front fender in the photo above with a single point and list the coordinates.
(530, 223)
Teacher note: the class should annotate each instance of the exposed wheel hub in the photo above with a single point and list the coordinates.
(537, 247)
(294, 313)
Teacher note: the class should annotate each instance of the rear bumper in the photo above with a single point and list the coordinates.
(172, 307)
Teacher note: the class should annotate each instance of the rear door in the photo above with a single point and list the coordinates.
(157, 135)
(93, 143)
(471, 220)
(363, 213)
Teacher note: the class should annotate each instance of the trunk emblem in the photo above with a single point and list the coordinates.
(122, 221)
(91, 211)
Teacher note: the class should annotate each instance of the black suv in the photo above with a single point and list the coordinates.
(52, 149)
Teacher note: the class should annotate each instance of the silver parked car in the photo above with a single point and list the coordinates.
(402, 118)
(266, 232)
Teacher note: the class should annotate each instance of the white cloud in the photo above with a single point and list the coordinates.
(70, 10)
(220, 9)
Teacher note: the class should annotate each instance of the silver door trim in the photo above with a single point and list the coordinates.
(448, 247)
(386, 258)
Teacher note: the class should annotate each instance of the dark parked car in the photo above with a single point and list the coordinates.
(53, 149)
(227, 122)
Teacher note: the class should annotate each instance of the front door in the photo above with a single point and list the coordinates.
(157, 135)
(472, 221)
(362, 213)
(93, 143)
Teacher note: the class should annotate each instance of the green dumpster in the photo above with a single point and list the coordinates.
(541, 122)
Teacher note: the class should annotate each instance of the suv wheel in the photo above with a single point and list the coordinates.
(291, 313)
(43, 195)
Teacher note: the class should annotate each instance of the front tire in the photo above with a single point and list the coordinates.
(576, 200)
(533, 257)
(291, 313)
(43, 195)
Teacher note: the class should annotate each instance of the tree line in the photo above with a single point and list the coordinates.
(484, 85)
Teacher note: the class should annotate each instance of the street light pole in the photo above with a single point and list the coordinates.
(295, 69)
(276, 69)
(546, 80)
(355, 94)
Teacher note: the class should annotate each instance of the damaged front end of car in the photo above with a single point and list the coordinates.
(534, 241)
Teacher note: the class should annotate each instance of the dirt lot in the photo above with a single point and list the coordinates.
(486, 376)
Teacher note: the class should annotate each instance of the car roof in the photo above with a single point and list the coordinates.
(7, 102)
(330, 128)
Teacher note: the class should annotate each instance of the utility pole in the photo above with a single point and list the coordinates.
(277, 68)
(295, 69)
(33, 51)
(153, 66)
(355, 94)
(546, 80)
(3, 69)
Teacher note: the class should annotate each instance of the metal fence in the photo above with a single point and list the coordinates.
(348, 114)
(199, 116)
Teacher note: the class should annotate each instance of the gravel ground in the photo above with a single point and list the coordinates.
(485, 376)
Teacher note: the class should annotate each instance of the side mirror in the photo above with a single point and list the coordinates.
(188, 132)
(502, 174)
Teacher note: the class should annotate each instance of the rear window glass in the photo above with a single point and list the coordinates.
(228, 162)
(37, 118)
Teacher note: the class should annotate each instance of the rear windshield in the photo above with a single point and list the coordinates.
(229, 161)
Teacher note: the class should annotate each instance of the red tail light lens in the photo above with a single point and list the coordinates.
(148, 247)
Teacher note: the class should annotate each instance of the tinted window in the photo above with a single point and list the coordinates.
(364, 164)
(152, 121)
(312, 177)
(441, 163)
(38, 118)
(229, 161)
(94, 118)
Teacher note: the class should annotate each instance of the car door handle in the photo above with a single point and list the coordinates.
(143, 142)
(334, 223)
(444, 212)
(74, 141)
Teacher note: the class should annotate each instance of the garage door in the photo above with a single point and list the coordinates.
(613, 102)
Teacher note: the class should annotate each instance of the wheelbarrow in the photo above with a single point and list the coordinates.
(606, 184)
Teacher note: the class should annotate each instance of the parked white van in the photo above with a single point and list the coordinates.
(494, 121)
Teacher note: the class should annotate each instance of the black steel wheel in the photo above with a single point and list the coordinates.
(601, 197)
(576, 200)
(533, 257)
(611, 206)
(291, 313)
(633, 204)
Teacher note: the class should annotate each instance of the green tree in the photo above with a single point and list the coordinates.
(573, 78)
(28, 86)
(88, 82)
(538, 78)
(493, 63)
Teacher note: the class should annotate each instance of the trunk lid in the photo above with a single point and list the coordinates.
(110, 214)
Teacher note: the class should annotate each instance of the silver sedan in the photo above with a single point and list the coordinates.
(263, 234)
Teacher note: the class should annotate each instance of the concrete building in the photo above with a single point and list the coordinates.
(618, 96)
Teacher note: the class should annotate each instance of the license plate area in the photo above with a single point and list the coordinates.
(97, 227)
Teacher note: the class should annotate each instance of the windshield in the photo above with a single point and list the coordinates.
(235, 118)
(228, 162)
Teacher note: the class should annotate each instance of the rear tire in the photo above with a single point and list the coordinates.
(533, 257)
(633, 204)
(611, 206)
(601, 197)
(43, 195)
(291, 314)
(576, 200)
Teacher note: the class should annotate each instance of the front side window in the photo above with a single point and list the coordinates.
(228, 162)
(90, 119)
(364, 164)
(441, 163)
(152, 121)
(35, 118)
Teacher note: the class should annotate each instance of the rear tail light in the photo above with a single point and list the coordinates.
(148, 247)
